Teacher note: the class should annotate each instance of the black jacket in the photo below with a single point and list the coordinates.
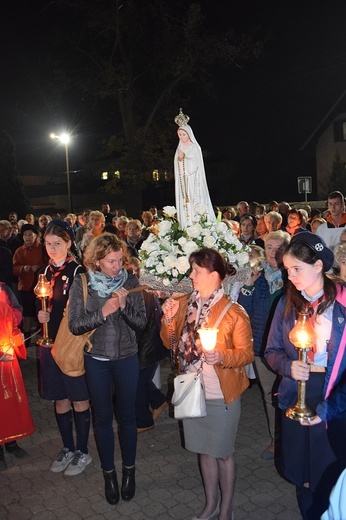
(150, 346)
(115, 337)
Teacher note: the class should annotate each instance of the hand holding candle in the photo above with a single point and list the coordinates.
(208, 337)
(44, 291)
(303, 338)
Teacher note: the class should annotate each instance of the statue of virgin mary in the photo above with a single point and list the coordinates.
(190, 181)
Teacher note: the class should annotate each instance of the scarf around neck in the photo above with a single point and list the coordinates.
(273, 277)
(105, 285)
(197, 314)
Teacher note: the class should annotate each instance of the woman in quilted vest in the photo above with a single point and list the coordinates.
(212, 437)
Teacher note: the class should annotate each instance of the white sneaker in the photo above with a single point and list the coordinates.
(78, 463)
(62, 461)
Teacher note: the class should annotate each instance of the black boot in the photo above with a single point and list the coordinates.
(111, 487)
(128, 485)
(3, 464)
(16, 450)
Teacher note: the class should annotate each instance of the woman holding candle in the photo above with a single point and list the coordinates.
(223, 373)
(69, 394)
(312, 456)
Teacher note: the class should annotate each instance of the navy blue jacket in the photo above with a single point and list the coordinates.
(257, 306)
(280, 353)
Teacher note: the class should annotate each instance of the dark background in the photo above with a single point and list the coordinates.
(251, 126)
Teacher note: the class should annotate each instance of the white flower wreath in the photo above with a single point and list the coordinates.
(165, 253)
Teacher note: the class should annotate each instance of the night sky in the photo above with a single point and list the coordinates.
(256, 119)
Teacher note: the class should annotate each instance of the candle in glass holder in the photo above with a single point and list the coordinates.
(303, 338)
(44, 291)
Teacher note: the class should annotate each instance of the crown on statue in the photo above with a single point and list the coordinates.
(181, 119)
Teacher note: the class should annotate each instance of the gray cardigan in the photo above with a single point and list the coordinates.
(115, 337)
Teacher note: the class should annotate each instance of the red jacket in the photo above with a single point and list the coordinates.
(35, 255)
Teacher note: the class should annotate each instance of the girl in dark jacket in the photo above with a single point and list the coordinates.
(112, 360)
(70, 394)
(312, 455)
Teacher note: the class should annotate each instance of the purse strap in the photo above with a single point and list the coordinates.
(218, 321)
(85, 288)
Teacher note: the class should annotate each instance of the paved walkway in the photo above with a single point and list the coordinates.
(168, 481)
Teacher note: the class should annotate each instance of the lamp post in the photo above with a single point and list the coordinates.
(65, 139)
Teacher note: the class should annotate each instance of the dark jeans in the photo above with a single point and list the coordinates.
(102, 377)
(147, 394)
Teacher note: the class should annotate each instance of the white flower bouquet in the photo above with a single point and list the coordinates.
(165, 254)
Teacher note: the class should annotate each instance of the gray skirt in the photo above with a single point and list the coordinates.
(214, 434)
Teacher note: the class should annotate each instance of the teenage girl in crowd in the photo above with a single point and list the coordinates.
(69, 394)
(312, 454)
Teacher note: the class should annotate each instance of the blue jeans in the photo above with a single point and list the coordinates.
(101, 377)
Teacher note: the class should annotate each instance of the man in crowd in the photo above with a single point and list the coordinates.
(106, 210)
(336, 221)
(242, 209)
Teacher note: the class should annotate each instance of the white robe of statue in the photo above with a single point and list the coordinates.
(190, 181)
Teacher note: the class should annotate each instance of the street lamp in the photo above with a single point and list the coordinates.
(65, 139)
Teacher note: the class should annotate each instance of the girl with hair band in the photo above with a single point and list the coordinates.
(312, 455)
(70, 394)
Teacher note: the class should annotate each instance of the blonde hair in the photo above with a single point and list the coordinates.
(318, 219)
(100, 247)
(97, 214)
(275, 215)
(123, 219)
(134, 222)
(278, 235)
(6, 224)
(340, 253)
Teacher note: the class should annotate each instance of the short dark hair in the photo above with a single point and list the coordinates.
(210, 259)
(295, 211)
(336, 195)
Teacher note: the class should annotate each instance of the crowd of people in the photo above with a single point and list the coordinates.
(293, 270)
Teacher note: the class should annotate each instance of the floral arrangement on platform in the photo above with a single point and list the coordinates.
(164, 254)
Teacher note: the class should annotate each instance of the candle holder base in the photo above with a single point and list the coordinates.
(45, 342)
(300, 413)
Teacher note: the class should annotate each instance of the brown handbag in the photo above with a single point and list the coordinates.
(68, 349)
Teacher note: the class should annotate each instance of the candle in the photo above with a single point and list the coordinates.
(208, 337)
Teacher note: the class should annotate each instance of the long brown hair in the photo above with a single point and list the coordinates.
(294, 299)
